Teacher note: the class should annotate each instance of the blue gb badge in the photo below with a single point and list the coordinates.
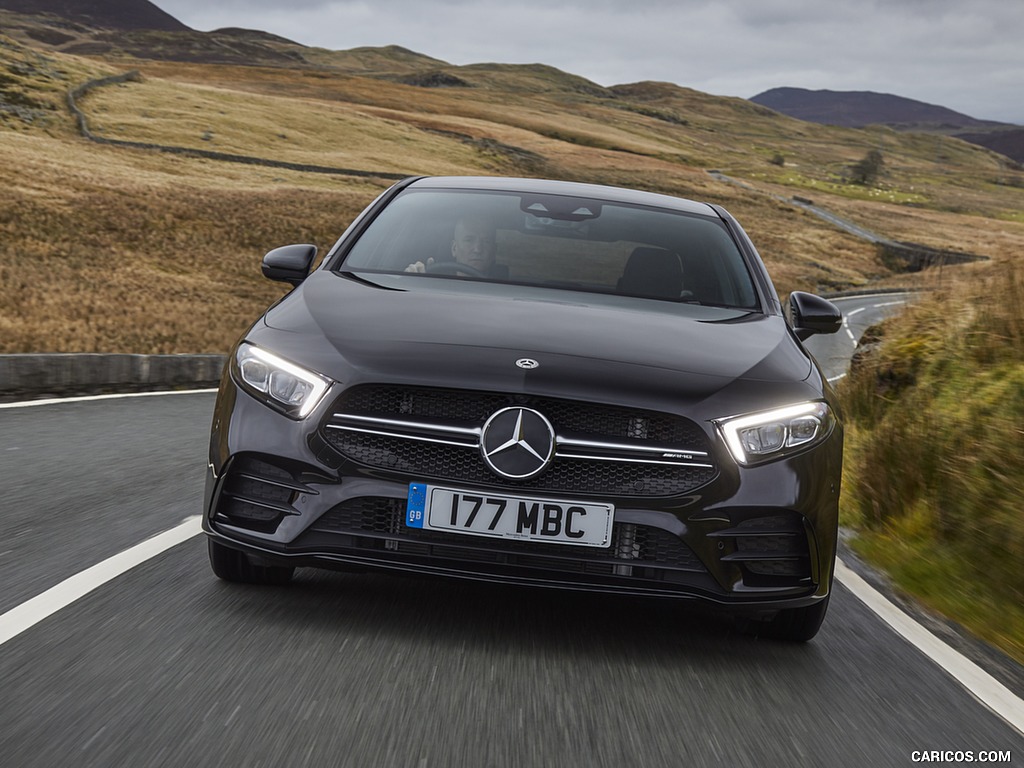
(416, 506)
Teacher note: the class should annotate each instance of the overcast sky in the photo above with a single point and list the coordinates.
(967, 55)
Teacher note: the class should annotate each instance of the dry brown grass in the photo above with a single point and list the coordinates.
(112, 249)
(140, 252)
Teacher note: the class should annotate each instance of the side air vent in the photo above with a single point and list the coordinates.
(257, 495)
(771, 550)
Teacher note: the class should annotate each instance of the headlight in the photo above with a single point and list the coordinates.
(769, 435)
(291, 389)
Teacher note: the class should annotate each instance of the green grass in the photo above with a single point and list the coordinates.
(935, 454)
(945, 580)
(803, 184)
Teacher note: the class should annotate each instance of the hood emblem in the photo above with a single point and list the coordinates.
(517, 442)
(527, 363)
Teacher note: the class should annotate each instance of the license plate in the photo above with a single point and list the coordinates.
(556, 521)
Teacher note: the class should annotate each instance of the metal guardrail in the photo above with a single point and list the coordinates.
(26, 376)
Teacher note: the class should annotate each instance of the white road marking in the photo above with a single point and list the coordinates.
(846, 324)
(83, 398)
(977, 681)
(31, 612)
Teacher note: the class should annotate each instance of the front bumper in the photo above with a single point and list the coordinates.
(761, 537)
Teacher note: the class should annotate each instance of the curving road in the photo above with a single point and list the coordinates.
(166, 666)
(833, 352)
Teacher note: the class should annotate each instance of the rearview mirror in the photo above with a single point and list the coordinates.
(289, 263)
(812, 314)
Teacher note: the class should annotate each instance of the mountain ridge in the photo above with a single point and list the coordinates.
(105, 14)
(858, 109)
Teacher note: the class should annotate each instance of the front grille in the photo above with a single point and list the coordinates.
(434, 434)
(570, 415)
(637, 551)
(464, 464)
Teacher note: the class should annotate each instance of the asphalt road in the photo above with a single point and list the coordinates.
(859, 312)
(167, 666)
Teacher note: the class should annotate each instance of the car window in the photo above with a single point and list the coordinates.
(555, 241)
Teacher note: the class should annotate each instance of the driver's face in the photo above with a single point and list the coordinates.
(474, 244)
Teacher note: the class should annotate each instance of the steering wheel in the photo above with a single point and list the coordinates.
(453, 268)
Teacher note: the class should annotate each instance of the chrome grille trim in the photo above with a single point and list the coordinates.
(427, 432)
(567, 447)
(411, 425)
(607, 445)
(420, 438)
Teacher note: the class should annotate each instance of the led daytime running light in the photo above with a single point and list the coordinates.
(283, 382)
(762, 436)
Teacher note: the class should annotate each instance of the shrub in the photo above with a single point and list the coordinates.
(866, 171)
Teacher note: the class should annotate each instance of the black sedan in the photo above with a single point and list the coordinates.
(539, 383)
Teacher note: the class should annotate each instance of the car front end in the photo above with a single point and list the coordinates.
(520, 432)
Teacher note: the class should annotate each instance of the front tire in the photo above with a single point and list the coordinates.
(233, 565)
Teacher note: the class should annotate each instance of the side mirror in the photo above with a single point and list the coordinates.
(289, 263)
(812, 314)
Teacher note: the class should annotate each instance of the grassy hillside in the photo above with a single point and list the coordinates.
(935, 452)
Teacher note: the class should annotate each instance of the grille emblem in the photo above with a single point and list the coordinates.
(517, 443)
(527, 364)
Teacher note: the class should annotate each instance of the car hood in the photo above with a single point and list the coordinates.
(470, 334)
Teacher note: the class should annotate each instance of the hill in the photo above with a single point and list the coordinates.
(857, 109)
(101, 14)
(1009, 141)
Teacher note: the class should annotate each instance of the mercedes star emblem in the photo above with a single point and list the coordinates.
(527, 363)
(517, 443)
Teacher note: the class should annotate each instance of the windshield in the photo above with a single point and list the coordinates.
(554, 241)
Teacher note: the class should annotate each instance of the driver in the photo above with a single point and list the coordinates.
(472, 245)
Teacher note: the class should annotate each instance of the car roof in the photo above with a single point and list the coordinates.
(568, 188)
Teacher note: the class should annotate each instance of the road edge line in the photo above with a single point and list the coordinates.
(979, 683)
(26, 615)
(112, 396)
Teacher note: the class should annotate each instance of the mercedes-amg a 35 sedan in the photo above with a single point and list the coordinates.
(539, 383)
